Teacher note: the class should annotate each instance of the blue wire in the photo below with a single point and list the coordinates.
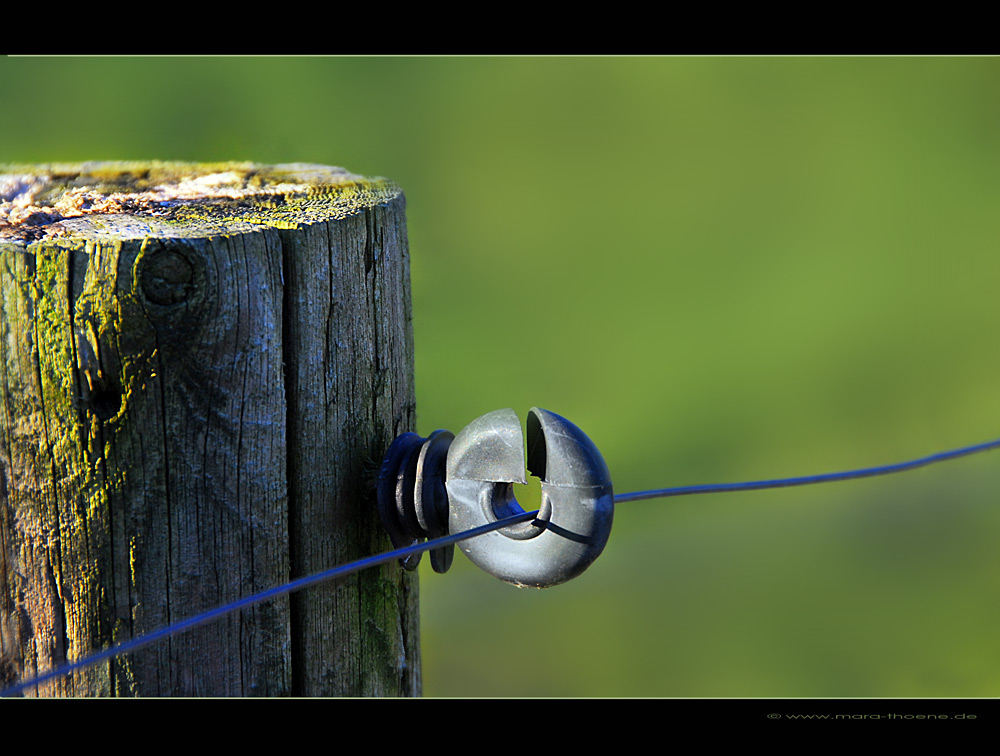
(270, 593)
(755, 485)
(372, 561)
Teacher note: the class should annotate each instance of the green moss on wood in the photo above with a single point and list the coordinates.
(174, 489)
(134, 200)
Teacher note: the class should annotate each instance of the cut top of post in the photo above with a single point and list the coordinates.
(129, 200)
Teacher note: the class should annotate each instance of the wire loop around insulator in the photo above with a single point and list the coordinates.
(488, 456)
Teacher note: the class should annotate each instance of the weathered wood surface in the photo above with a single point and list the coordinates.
(201, 365)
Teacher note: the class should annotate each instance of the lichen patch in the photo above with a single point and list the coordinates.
(38, 202)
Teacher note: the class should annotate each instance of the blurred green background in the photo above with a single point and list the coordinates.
(721, 269)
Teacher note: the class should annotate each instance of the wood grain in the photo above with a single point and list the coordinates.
(195, 390)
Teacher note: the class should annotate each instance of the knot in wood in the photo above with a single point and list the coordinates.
(167, 276)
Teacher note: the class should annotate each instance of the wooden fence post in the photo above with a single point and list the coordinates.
(200, 368)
